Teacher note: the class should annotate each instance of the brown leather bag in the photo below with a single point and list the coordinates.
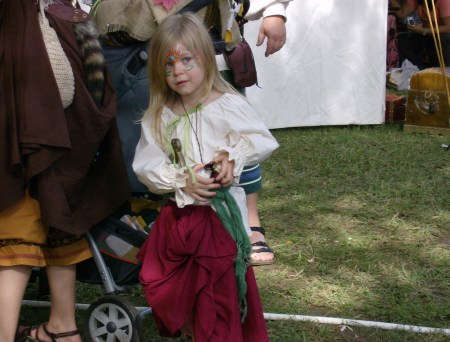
(242, 64)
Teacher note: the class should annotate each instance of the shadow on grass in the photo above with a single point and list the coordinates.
(358, 218)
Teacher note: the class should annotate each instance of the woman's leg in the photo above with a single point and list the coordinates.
(13, 282)
(62, 281)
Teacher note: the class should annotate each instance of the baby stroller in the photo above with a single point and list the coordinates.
(114, 243)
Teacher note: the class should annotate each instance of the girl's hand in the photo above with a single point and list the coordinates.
(225, 176)
(201, 189)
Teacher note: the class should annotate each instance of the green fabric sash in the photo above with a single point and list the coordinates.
(230, 215)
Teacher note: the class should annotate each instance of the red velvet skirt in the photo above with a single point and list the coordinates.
(188, 278)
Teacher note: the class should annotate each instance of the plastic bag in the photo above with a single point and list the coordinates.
(398, 78)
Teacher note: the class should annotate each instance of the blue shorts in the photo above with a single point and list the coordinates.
(250, 179)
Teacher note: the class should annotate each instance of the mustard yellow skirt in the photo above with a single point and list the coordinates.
(25, 240)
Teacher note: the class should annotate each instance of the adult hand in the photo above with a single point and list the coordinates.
(200, 190)
(274, 28)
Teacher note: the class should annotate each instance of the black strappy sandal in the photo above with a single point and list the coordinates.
(26, 334)
(264, 249)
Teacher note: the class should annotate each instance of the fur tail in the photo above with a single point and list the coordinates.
(93, 59)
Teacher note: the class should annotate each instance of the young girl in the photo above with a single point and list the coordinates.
(197, 135)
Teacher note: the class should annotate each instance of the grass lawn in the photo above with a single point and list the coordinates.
(359, 220)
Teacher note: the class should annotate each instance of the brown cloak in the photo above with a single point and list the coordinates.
(70, 160)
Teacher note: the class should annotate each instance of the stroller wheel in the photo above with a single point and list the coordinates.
(112, 319)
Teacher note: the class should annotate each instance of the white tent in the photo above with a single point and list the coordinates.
(331, 70)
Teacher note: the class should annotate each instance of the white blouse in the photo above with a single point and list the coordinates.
(228, 124)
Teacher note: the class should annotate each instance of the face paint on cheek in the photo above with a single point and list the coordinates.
(191, 66)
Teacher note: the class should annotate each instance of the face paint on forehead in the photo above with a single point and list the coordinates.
(178, 55)
(173, 55)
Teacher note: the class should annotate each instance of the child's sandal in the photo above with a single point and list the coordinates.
(264, 249)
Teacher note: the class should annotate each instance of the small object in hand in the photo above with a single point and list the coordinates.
(179, 158)
(210, 167)
(410, 21)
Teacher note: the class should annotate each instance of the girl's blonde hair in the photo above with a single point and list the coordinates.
(189, 30)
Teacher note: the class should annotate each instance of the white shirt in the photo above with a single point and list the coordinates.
(266, 8)
(227, 124)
